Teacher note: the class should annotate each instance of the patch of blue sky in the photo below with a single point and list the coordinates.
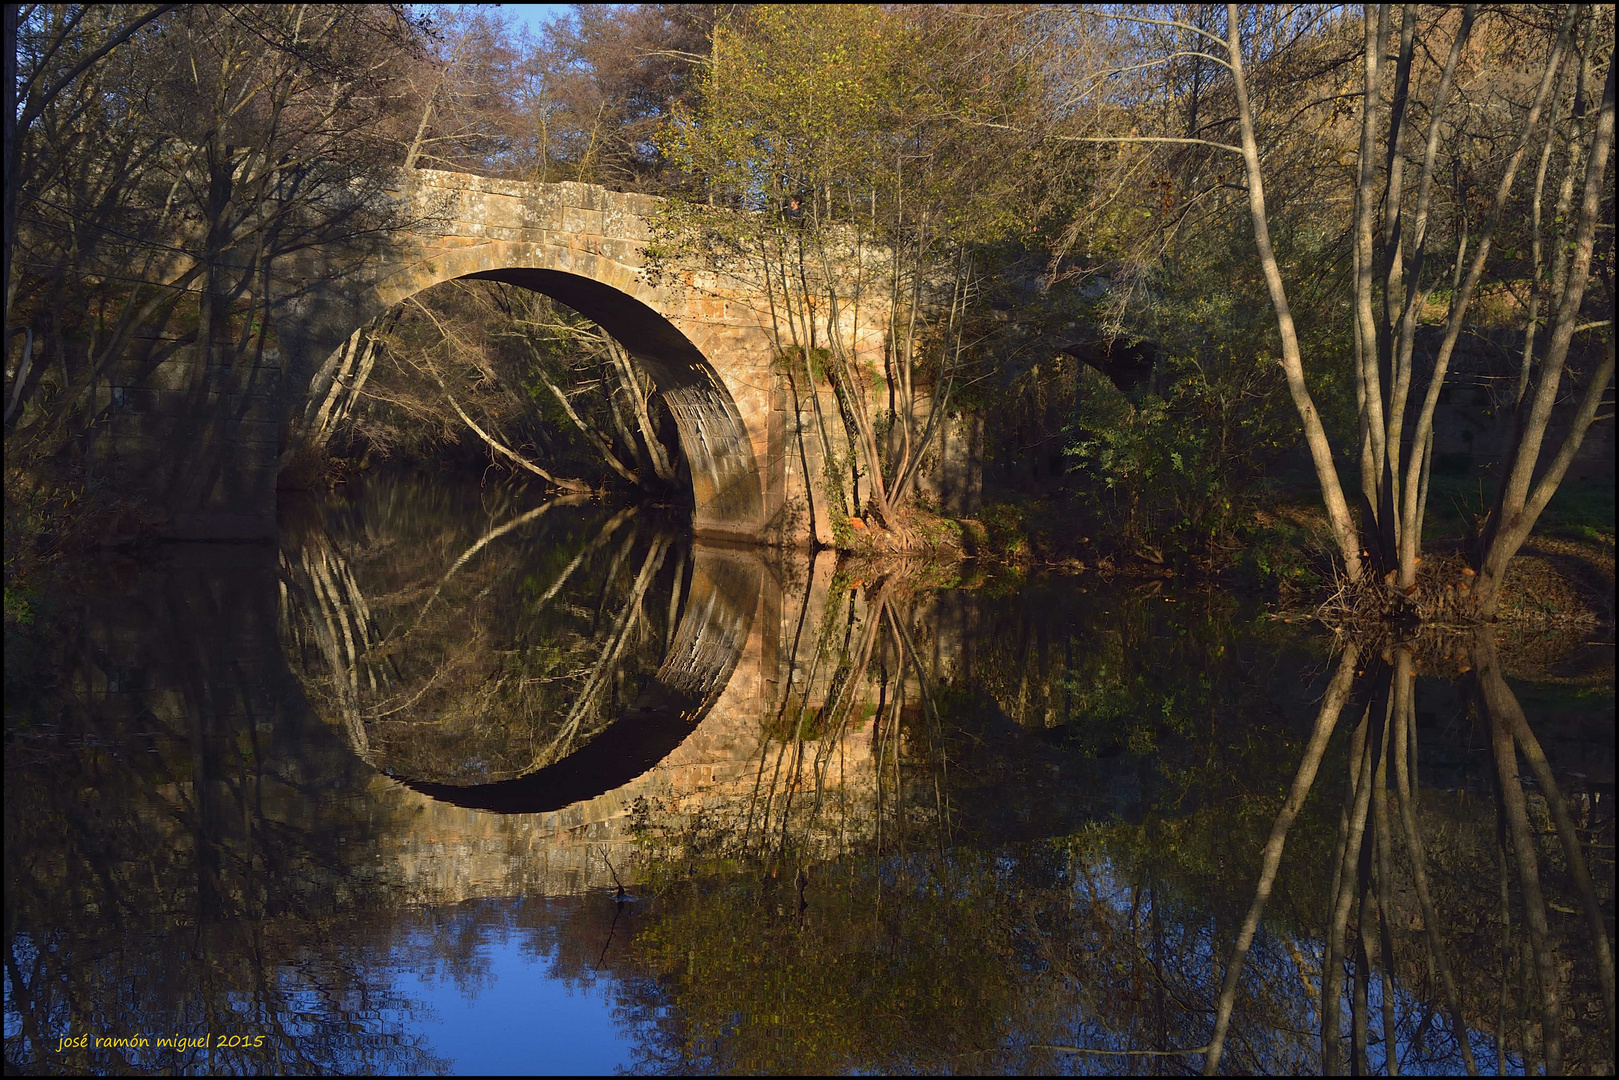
(530, 17)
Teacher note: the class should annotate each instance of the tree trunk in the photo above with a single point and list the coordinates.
(1517, 508)
(1315, 435)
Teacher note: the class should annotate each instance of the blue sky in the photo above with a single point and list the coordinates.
(534, 16)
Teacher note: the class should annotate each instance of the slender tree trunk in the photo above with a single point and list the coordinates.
(1315, 435)
(1498, 700)
(1380, 526)
(1523, 847)
(1405, 788)
(1518, 507)
(1350, 886)
(1383, 838)
(1414, 484)
(589, 432)
(489, 440)
(1332, 704)
(629, 381)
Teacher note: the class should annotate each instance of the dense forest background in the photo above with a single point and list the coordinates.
(1215, 288)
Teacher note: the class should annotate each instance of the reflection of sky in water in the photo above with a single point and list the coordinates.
(480, 986)
(497, 1005)
(521, 1019)
(486, 988)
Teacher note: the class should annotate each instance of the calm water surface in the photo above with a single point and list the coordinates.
(458, 781)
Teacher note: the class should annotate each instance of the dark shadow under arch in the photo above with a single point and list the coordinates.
(649, 731)
(1128, 366)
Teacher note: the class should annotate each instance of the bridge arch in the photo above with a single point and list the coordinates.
(205, 442)
(726, 477)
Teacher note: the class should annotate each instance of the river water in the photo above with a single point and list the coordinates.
(456, 780)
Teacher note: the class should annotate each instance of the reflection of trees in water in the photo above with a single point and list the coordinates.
(840, 749)
(462, 657)
(165, 871)
(184, 852)
(904, 948)
(1137, 945)
(1441, 954)
(962, 960)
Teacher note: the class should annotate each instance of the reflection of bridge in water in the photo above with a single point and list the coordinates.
(772, 708)
(692, 743)
(186, 799)
(762, 713)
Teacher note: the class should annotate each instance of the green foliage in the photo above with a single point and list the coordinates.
(1582, 509)
(831, 146)
(19, 606)
(853, 110)
(1460, 496)
(1151, 468)
(1177, 463)
(791, 95)
(1004, 530)
(1125, 713)
(1280, 555)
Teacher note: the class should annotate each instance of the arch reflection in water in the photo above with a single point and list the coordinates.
(551, 655)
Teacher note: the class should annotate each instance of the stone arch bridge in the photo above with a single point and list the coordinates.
(703, 334)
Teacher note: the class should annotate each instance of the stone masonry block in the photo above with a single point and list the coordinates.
(582, 222)
(635, 228)
(629, 252)
(172, 374)
(639, 205)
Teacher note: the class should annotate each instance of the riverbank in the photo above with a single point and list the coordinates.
(1280, 553)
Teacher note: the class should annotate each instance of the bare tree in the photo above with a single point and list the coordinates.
(539, 386)
(1400, 251)
(64, 43)
(180, 173)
